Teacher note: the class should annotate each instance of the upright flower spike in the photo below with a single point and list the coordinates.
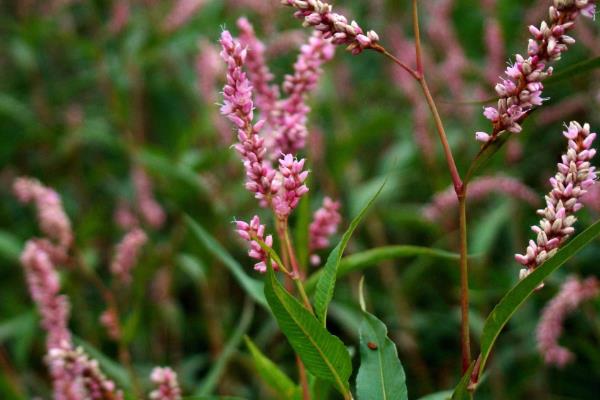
(266, 94)
(167, 386)
(239, 109)
(574, 177)
(127, 254)
(320, 15)
(291, 113)
(253, 232)
(324, 224)
(52, 218)
(521, 89)
(292, 185)
(572, 293)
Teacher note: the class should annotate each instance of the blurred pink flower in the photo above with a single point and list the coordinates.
(126, 254)
(444, 201)
(150, 210)
(167, 386)
(324, 224)
(574, 177)
(53, 221)
(181, 13)
(572, 293)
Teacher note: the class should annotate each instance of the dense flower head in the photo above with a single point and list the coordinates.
(252, 232)
(291, 113)
(324, 224)
(572, 293)
(521, 88)
(320, 15)
(574, 177)
(52, 218)
(79, 377)
(167, 386)
(239, 109)
(292, 185)
(127, 254)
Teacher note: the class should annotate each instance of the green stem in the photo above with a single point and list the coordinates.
(464, 283)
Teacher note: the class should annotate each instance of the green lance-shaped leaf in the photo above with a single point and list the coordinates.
(273, 376)
(514, 299)
(252, 286)
(326, 283)
(323, 354)
(380, 376)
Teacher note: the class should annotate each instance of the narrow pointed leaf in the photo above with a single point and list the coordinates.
(516, 296)
(323, 354)
(277, 380)
(326, 283)
(380, 376)
(252, 286)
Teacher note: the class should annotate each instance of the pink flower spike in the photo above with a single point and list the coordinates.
(575, 175)
(51, 216)
(167, 385)
(572, 293)
(252, 232)
(324, 225)
(127, 253)
(521, 89)
(318, 14)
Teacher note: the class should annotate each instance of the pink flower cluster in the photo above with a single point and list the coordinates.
(167, 385)
(324, 224)
(182, 12)
(80, 376)
(53, 221)
(574, 177)
(478, 189)
(291, 113)
(521, 90)
(319, 14)
(238, 108)
(572, 293)
(253, 232)
(127, 254)
(292, 185)
(149, 208)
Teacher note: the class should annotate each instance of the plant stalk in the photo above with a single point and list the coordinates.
(465, 339)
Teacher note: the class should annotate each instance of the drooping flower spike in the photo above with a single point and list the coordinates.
(574, 177)
(521, 89)
(320, 15)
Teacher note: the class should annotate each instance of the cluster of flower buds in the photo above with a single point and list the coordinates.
(572, 293)
(53, 221)
(292, 185)
(127, 254)
(324, 224)
(238, 108)
(252, 233)
(167, 384)
(77, 376)
(521, 90)
(318, 14)
(291, 113)
(575, 175)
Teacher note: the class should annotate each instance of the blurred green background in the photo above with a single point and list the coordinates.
(85, 96)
